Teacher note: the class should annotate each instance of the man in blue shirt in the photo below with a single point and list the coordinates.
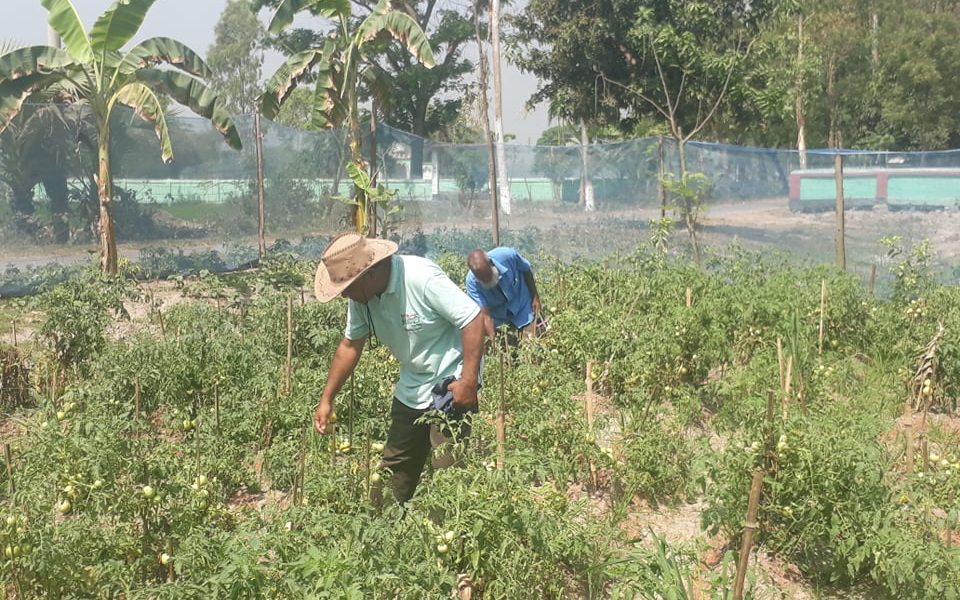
(502, 283)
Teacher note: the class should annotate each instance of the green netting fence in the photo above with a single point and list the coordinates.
(200, 211)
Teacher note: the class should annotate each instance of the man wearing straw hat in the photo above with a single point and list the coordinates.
(429, 324)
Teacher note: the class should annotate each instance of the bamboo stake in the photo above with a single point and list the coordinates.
(366, 459)
(873, 279)
(908, 433)
(170, 574)
(288, 373)
(8, 455)
(788, 384)
(136, 398)
(301, 468)
(196, 445)
(823, 309)
(689, 297)
(501, 417)
(216, 403)
(749, 530)
(780, 362)
(353, 407)
(588, 411)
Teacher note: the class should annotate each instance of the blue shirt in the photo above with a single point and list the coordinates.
(511, 300)
(418, 317)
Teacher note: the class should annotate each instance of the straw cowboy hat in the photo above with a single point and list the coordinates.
(347, 257)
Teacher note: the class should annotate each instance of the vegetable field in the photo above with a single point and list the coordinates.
(158, 441)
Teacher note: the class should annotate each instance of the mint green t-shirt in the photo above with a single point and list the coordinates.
(418, 317)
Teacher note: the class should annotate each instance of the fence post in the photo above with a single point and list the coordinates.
(840, 231)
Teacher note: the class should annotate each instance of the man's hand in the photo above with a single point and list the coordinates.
(535, 304)
(324, 417)
(464, 394)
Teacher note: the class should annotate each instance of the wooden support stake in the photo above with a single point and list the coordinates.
(689, 297)
(588, 406)
(823, 310)
(908, 434)
(353, 407)
(788, 384)
(501, 416)
(301, 468)
(873, 279)
(781, 363)
(366, 457)
(749, 530)
(216, 403)
(288, 373)
(136, 398)
(13, 326)
(588, 399)
(8, 455)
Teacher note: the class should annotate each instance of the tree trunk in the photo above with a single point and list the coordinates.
(55, 183)
(689, 208)
(586, 182)
(108, 242)
(416, 147)
(359, 196)
(503, 180)
(21, 201)
(487, 135)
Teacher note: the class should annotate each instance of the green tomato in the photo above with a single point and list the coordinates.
(148, 492)
(165, 559)
(64, 507)
(442, 548)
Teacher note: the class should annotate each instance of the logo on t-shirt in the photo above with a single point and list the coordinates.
(411, 322)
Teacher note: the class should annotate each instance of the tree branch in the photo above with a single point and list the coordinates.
(723, 91)
(641, 95)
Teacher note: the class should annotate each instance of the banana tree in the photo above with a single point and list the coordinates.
(339, 67)
(93, 71)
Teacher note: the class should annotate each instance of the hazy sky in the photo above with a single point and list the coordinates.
(192, 22)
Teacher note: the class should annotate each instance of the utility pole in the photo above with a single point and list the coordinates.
(504, 184)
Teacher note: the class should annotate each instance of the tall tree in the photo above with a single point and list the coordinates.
(339, 66)
(425, 101)
(94, 72)
(564, 43)
(236, 57)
